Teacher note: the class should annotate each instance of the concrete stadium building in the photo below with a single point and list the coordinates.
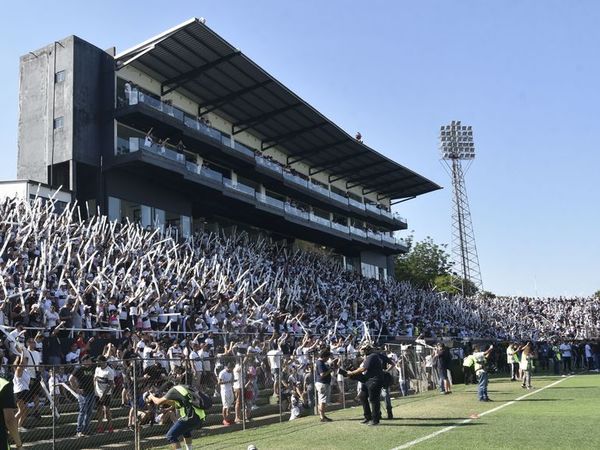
(184, 130)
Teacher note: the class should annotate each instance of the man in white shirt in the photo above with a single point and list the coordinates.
(196, 361)
(589, 356)
(34, 359)
(104, 381)
(225, 380)
(73, 356)
(174, 355)
(274, 356)
(565, 351)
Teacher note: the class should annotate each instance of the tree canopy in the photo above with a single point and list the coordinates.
(427, 265)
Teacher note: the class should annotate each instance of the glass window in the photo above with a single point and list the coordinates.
(186, 226)
(159, 218)
(114, 208)
(59, 76)
(59, 122)
(146, 216)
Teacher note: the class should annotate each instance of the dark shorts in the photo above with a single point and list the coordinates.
(23, 395)
(104, 400)
(183, 429)
(35, 388)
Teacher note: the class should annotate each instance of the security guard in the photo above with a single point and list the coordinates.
(371, 383)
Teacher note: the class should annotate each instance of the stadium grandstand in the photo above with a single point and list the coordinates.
(185, 130)
(186, 220)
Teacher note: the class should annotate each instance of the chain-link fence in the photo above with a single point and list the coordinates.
(104, 403)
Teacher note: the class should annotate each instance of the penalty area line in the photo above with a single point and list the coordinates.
(463, 422)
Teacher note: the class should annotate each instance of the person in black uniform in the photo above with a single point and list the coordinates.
(371, 383)
(8, 421)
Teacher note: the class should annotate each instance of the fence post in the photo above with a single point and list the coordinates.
(53, 405)
(342, 382)
(136, 425)
(243, 391)
(280, 399)
(315, 393)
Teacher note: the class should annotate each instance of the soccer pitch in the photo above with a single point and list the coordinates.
(560, 413)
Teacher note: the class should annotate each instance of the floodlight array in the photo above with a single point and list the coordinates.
(456, 141)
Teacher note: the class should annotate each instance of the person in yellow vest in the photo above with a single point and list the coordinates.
(469, 373)
(191, 417)
(8, 411)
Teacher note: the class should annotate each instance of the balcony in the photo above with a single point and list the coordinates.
(242, 152)
(268, 164)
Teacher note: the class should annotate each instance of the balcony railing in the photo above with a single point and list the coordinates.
(340, 227)
(338, 198)
(358, 232)
(243, 149)
(196, 124)
(320, 189)
(372, 208)
(320, 220)
(399, 218)
(296, 211)
(134, 144)
(295, 179)
(356, 204)
(273, 166)
(263, 198)
(239, 187)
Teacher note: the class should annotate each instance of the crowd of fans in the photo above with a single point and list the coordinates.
(59, 271)
(178, 310)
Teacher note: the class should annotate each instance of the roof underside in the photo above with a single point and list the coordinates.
(197, 62)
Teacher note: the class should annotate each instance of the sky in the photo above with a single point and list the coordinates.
(525, 74)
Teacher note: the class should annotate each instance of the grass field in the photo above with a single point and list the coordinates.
(564, 415)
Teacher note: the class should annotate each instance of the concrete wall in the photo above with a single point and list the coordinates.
(83, 99)
(93, 105)
(40, 102)
(137, 189)
(375, 259)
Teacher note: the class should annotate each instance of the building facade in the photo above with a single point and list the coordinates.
(185, 131)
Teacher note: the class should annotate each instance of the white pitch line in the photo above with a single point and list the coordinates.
(462, 422)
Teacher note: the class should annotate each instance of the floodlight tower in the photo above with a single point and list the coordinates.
(456, 146)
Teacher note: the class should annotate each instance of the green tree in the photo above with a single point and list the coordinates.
(597, 294)
(424, 262)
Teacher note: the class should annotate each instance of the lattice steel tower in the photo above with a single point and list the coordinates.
(456, 146)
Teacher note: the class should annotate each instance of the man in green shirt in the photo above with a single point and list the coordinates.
(190, 416)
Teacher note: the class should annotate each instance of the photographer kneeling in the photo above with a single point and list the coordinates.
(371, 376)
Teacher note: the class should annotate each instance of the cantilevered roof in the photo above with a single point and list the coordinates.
(194, 60)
